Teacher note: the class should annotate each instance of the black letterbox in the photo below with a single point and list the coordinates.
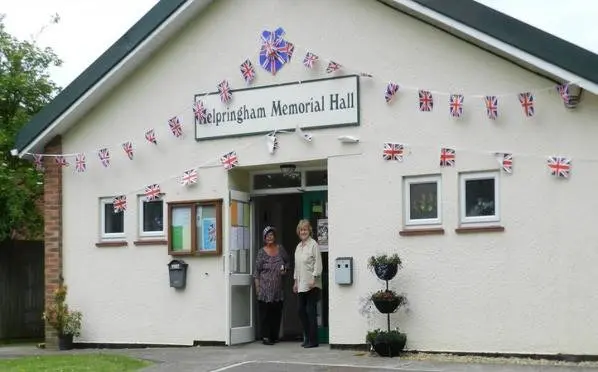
(177, 270)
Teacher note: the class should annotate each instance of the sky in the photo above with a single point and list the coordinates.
(88, 27)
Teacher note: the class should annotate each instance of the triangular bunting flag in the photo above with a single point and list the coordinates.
(332, 67)
(150, 136)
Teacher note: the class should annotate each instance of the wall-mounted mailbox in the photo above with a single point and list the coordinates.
(177, 270)
(343, 270)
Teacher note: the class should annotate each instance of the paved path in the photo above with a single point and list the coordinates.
(290, 357)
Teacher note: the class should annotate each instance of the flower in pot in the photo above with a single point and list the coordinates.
(389, 343)
(387, 301)
(385, 266)
(65, 321)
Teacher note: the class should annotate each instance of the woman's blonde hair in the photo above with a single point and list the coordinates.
(304, 223)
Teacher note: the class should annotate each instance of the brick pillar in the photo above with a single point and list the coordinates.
(52, 229)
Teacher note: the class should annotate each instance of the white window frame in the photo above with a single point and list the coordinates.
(103, 233)
(145, 234)
(287, 190)
(407, 182)
(463, 178)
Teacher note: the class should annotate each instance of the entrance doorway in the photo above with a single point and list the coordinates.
(284, 212)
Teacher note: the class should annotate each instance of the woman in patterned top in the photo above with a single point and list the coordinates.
(271, 264)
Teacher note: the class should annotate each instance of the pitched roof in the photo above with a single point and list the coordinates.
(497, 32)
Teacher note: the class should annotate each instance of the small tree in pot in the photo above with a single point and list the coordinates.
(65, 321)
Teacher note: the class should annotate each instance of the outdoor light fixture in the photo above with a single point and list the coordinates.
(288, 170)
(574, 93)
(348, 139)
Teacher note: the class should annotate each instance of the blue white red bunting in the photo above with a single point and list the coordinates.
(559, 166)
(393, 151)
(226, 94)
(189, 177)
(175, 126)
(456, 105)
(104, 155)
(527, 103)
(152, 192)
(491, 103)
(150, 136)
(247, 71)
(80, 164)
(310, 59)
(200, 111)
(391, 90)
(61, 161)
(426, 101)
(272, 143)
(229, 160)
(128, 148)
(333, 67)
(120, 204)
(275, 52)
(38, 162)
(447, 157)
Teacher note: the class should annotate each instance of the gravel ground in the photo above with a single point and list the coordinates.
(438, 357)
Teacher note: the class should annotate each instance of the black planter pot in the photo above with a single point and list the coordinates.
(387, 306)
(386, 271)
(390, 348)
(65, 342)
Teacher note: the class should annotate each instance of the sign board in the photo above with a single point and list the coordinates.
(309, 104)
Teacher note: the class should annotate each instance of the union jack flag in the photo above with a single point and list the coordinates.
(393, 151)
(563, 91)
(80, 165)
(61, 161)
(128, 147)
(310, 59)
(391, 90)
(224, 90)
(200, 112)
(289, 48)
(104, 155)
(274, 52)
(230, 160)
(175, 126)
(152, 192)
(447, 157)
(38, 162)
(491, 103)
(189, 177)
(456, 105)
(247, 71)
(527, 103)
(150, 136)
(333, 66)
(120, 204)
(426, 101)
(559, 166)
(507, 163)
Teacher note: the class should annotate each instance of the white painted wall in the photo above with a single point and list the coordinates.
(526, 290)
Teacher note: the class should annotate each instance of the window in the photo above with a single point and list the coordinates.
(151, 217)
(195, 227)
(422, 200)
(316, 178)
(479, 197)
(112, 224)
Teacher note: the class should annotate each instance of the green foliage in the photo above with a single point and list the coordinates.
(64, 320)
(81, 362)
(25, 88)
(384, 259)
(378, 335)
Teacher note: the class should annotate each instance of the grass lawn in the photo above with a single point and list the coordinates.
(73, 363)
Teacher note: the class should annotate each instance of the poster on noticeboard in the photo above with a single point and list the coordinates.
(322, 234)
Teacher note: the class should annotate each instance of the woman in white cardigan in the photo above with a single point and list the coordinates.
(308, 282)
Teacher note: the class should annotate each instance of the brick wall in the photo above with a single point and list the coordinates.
(52, 228)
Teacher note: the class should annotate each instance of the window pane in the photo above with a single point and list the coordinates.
(316, 178)
(153, 216)
(114, 223)
(180, 231)
(479, 198)
(206, 228)
(423, 200)
(276, 181)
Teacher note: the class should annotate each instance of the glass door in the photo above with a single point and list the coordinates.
(242, 328)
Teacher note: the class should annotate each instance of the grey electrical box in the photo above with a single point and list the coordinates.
(343, 270)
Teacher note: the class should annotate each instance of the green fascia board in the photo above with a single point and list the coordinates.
(520, 35)
(97, 70)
